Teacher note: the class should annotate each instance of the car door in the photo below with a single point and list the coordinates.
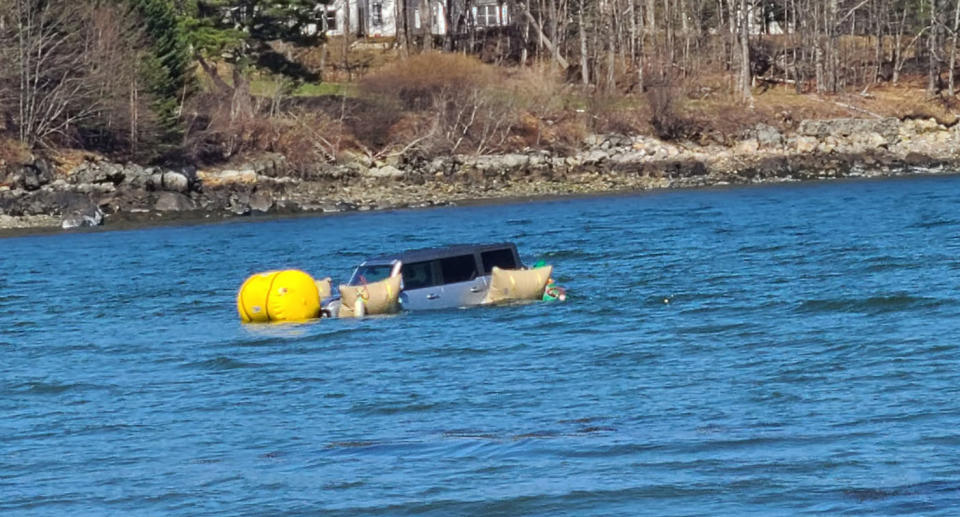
(422, 289)
(463, 285)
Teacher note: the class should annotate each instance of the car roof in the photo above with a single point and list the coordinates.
(421, 254)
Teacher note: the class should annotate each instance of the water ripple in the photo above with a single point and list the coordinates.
(760, 351)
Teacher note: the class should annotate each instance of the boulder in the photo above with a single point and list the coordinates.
(261, 201)
(387, 171)
(748, 146)
(767, 136)
(594, 157)
(872, 140)
(80, 213)
(167, 180)
(29, 176)
(629, 158)
(137, 176)
(272, 165)
(806, 144)
(98, 172)
(175, 182)
(173, 202)
(889, 128)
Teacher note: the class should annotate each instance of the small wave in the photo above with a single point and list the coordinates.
(394, 409)
(567, 254)
(354, 444)
(267, 335)
(864, 494)
(933, 223)
(881, 266)
(871, 305)
(715, 328)
(222, 363)
(471, 434)
(44, 388)
(760, 249)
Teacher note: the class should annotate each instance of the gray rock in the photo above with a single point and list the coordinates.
(629, 157)
(806, 144)
(748, 146)
(137, 176)
(516, 161)
(615, 140)
(871, 140)
(261, 201)
(767, 136)
(593, 157)
(272, 165)
(888, 128)
(175, 182)
(102, 172)
(80, 214)
(387, 171)
(170, 181)
(173, 202)
(239, 203)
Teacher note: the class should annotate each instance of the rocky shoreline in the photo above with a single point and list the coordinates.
(71, 190)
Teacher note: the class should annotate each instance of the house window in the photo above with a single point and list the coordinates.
(487, 15)
(376, 14)
(331, 19)
(416, 18)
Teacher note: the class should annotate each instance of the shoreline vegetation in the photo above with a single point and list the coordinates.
(95, 190)
(145, 111)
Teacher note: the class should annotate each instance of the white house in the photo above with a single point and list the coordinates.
(374, 18)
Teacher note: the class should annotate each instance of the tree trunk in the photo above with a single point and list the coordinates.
(933, 63)
(953, 46)
(745, 94)
(584, 62)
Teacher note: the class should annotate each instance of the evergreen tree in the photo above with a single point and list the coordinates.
(167, 69)
(241, 30)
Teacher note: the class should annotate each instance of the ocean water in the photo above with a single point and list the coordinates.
(778, 350)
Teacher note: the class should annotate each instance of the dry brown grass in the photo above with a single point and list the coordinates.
(13, 152)
(416, 82)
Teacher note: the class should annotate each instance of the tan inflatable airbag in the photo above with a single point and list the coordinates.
(517, 284)
(378, 297)
(324, 287)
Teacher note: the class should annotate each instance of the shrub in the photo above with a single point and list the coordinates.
(418, 81)
(459, 103)
(665, 117)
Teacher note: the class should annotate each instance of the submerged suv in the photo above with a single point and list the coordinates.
(441, 278)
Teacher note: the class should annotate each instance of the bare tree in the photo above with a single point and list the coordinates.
(70, 71)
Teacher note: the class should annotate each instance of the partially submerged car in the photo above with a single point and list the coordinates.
(440, 278)
(431, 278)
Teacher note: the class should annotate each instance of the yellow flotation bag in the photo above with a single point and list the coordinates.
(517, 284)
(289, 295)
(378, 297)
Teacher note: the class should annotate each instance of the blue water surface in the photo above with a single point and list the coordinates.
(775, 350)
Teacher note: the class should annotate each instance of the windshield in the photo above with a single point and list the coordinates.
(369, 274)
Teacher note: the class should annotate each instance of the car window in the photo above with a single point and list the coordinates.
(370, 274)
(462, 268)
(417, 275)
(502, 258)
